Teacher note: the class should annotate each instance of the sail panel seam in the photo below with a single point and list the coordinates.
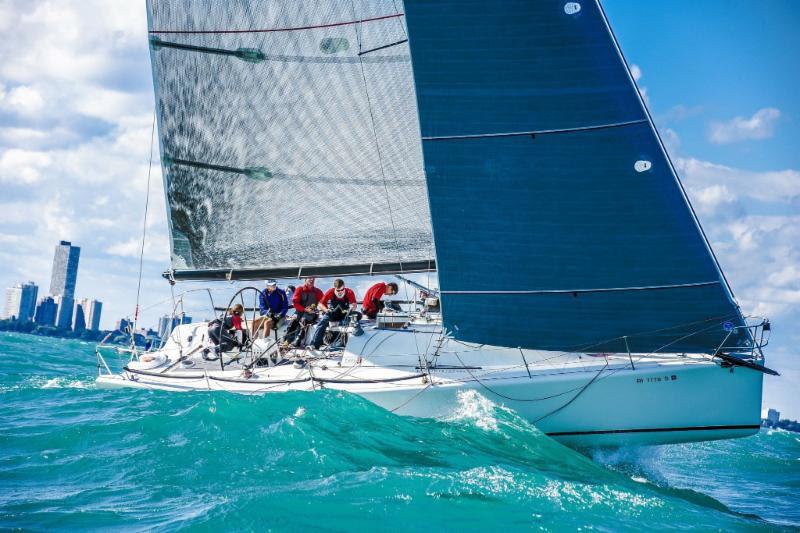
(535, 132)
(583, 291)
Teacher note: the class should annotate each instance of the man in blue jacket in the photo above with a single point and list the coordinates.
(273, 304)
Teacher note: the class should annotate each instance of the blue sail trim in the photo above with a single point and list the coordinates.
(538, 210)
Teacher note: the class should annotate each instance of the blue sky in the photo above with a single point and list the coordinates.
(76, 104)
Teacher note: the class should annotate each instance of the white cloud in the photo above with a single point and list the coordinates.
(23, 166)
(69, 42)
(156, 245)
(636, 72)
(753, 222)
(779, 186)
(711, 198)
(679, 112)
(671, 139)
(23, 100)
(21, 136)
(760, 126)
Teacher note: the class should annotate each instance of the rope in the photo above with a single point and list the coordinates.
(144, 231)
(543, 398)
(554, 411)
(411, 399)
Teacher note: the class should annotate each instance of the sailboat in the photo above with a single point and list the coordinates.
(503, 145)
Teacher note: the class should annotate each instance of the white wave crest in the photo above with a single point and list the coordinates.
(62, 383)
(472, 406)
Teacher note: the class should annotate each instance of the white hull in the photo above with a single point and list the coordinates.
(579, 399)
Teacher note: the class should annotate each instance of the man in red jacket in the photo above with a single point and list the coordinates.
(305, 300)
(337, 304)
(372, 300)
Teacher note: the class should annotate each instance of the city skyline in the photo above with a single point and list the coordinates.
(58, 308)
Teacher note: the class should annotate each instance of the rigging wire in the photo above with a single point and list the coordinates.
(721, 320)
(377, 142)
(144, 231)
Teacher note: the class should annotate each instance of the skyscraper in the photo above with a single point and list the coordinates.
(87, 315)
(64, 313)
(65, 270)
(21, 301)
(46, 311)
(62, 283)
(92, 309)
(123, 324)
(773, 416)
(79, 323)
(167, 323)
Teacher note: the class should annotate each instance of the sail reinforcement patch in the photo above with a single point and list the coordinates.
(333, 45)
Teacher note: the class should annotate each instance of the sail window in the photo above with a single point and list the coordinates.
(570, 8)
(333, 45)
(642, 165)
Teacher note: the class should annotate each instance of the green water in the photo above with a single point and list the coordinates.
(76, 457)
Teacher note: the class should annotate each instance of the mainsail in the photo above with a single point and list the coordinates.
(558, 219)
(289, 138)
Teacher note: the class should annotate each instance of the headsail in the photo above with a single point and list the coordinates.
(289, 137)
(559, 222)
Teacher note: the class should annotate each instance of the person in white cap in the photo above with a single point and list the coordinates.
(273, 305)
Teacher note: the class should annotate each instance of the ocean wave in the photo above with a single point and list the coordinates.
(74, 456)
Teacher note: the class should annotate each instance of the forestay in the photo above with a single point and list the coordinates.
(558, 220)
(289, 137)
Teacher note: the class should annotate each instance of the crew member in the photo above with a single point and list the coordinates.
(372, 299)
(228, 334)
(273, 304)
(305, 301)
(337, 303)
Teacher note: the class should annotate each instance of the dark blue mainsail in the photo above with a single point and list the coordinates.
(558, 220)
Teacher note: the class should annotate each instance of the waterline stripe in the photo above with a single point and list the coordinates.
(651, 430)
